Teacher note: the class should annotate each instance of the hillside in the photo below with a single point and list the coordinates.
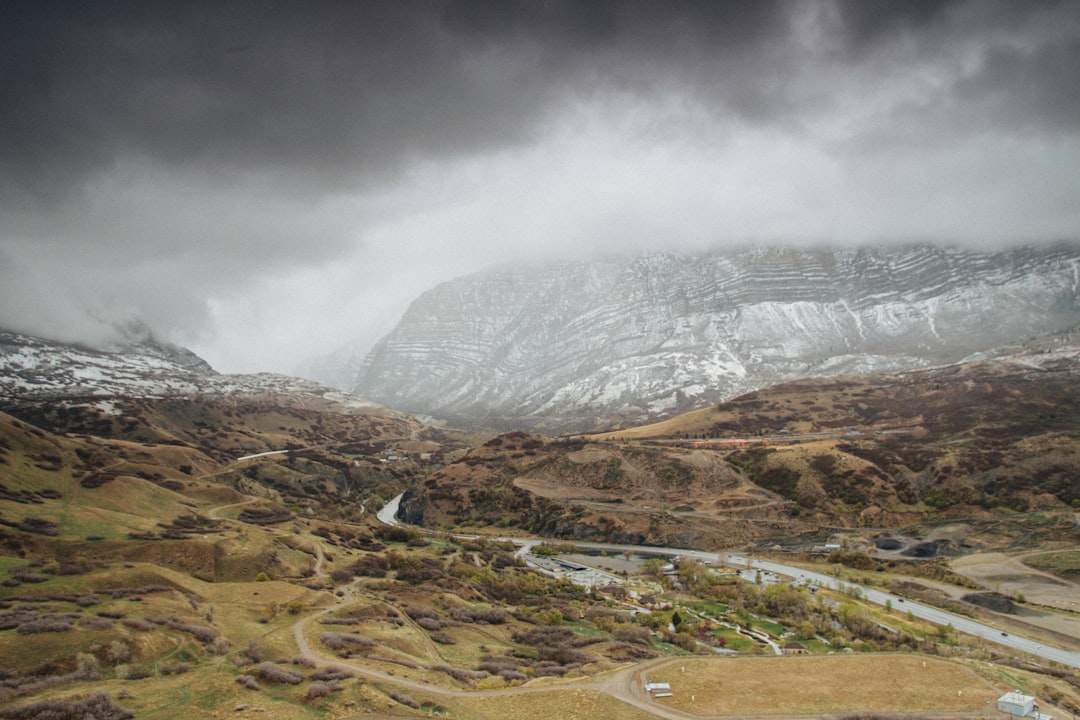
(628, 340)
(883, 450)
(166, 550)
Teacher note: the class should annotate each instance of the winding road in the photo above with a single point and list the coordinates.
(935, 615)
(626, 684)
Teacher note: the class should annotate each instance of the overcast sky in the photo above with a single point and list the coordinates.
(265, 182)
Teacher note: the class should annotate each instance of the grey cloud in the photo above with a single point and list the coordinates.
(1027, 89)
(167, 160)
(867, 22)
(342, 91)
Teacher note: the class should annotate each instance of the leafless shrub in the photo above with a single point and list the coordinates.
(96, 480)
(345, 642)
(329, 673)
(133, 672)
(98, 706)
(175, 668)
(429, 623)
(264, 516)
(248, 681)
(273, 673)
(118, 652)
(340, 621)
(565, 656)
(117, 593)
(496, 664)
(632, 634)
(93, 621)
(44, 625)
(138, 624)
(87, 667)
(298, 660)
(626, 652)
(550, 669)
(466, 676)
(26, 575)
(404, 699)
(218, 646)
(41, 526)
(316, 690)
(490, 616)
(201, 633)
(16, 618)
(70, 568)
(442, 638)
(416, 613)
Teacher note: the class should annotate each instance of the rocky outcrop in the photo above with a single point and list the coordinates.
(577, 344)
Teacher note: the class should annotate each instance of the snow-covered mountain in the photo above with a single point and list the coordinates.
(36, 370)
(576, 344)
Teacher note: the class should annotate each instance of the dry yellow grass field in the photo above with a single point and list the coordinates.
(569, 704)
(812, 685)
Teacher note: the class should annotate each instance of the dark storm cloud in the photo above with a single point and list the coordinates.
(866, 22)
(226, 167)
(331, 89)
(344, 92)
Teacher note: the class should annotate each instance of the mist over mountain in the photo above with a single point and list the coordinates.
(576, 345)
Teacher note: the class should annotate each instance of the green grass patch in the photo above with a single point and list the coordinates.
(817, 647)
(735, 641)
(705, 607)
(773, 628)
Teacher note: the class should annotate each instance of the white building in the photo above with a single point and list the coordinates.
(1018, 704)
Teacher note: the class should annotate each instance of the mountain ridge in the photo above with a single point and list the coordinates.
(34, 369)
(631, 339)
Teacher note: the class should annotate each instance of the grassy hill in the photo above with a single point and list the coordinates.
(226, 548)
(973, 441)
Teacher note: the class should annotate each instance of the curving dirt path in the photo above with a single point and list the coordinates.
(624, 684)
(214, 511)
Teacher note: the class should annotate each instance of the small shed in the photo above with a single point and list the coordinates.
(620, 593)
(1018, 704)
(657, 687)
(795, 648)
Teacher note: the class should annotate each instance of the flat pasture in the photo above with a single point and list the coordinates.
(569, 704)
(811, 685)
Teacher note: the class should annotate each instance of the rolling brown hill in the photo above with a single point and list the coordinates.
(884, 450)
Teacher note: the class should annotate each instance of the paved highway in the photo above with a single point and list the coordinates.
(925, 612)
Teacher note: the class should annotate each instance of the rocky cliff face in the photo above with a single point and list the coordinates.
(575, 345)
